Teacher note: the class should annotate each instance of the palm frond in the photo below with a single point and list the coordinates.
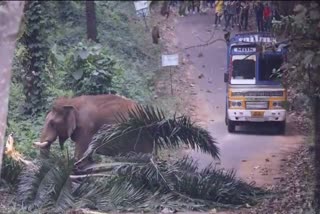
(122, 194)
(180, 181)
(48, 185)
(137, 182)
(10, 170)
(148, 126)
(29, 182)
(62, 192)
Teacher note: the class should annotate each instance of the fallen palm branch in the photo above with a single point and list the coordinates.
(13, 162)
(148, 124)
(12, 153)
(134, 182)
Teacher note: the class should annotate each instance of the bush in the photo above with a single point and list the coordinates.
(90, 70)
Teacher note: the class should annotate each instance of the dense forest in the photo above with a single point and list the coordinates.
(54, 58)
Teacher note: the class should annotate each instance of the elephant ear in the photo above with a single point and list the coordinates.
(70, 113)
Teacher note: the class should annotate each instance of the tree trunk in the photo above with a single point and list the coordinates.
(91, 20)
(316, 132)
(35, 41)
(10, 17)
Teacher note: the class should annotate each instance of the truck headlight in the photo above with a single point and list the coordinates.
(278, 104)
(235, 104)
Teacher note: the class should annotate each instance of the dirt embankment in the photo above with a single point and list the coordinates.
(186, 97)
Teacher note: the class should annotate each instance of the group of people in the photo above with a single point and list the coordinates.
(234, 13)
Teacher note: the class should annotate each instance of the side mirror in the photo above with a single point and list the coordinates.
(226, 77)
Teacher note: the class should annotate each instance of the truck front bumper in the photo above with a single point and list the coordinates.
(267, 115)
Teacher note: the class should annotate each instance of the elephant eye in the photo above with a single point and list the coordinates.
(51, 123)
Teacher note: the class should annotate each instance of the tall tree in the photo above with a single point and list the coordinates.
(302, 71)
(34, 39)
(10, 16)
(91, 20)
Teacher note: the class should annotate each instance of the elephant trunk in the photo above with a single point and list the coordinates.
(48, 136)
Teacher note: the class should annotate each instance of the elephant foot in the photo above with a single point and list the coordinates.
(80, 168)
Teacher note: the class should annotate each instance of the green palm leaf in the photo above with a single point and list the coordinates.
(148, 125)
(180, 181)
(47, 186)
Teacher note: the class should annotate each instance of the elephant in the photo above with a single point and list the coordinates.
(79, 118)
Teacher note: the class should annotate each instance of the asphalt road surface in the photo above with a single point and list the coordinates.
(252, 147)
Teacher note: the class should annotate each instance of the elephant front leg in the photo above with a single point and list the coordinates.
(80, 149)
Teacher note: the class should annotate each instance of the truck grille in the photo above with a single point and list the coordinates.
(256, 105)
(257, 93)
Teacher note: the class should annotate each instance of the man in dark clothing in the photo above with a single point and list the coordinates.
(231, 11)
(244, 14)
(259, 15)
(210, 3)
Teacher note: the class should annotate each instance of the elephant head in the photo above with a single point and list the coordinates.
(60, 123)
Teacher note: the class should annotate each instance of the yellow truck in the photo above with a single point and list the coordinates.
(254, 93)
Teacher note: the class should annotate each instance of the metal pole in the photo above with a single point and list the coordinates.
(171, 80)
(144, 19)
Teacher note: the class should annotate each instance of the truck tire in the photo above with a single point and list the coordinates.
(231, 126)
(282, 128)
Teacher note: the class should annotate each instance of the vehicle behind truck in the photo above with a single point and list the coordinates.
(254, 91)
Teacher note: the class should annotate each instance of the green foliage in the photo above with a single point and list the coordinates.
(25, 131)
(149, 125)
(90, 69)
(302, 29)
(61, 27)
(127, 39)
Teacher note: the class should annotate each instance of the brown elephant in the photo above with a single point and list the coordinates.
(81, 117)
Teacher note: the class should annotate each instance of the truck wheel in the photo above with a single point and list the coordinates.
(231, 126)
(282, 128)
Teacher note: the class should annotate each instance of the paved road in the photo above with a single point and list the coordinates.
(243, 150)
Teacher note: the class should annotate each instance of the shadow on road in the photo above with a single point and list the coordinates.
(264, 130)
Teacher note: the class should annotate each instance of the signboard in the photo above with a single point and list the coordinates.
(170, 60)
(244, 49)
(139, 5)
(257, 38)
(142, 8)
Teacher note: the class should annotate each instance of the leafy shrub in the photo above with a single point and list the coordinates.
(90, 69)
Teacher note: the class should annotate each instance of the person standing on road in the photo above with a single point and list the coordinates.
(244, 15)
(237, 17)
(218, 12)
(267, 17)
(231, 11)
(259, 15)
(210, 3)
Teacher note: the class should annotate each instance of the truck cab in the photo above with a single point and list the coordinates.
(254, 91)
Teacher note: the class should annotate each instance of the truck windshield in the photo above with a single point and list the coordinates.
(267, 64)
(243, 70)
